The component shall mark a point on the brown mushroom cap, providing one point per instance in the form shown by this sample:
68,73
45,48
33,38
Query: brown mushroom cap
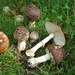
57,52
32,12
21,33
4,44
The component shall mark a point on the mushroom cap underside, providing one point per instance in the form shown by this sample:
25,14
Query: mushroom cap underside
59,38
4,42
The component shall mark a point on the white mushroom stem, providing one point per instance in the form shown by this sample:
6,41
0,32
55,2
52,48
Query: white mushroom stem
32,51
31,24
32,62
21,46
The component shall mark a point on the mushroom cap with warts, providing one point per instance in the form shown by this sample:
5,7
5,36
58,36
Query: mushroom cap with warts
32,12
4,42
56,52
21,33
19,18
59,38
34,36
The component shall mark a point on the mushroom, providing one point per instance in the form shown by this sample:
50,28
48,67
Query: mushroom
21,34
7,9
55,33
4,42
19,18
34,36
33,14
54,53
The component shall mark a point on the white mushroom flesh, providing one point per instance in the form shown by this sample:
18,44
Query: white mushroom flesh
32,51
21,46
35,61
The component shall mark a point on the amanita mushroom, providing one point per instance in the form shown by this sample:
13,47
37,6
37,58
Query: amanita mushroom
21,34
33,14
4,42
53,52
19,18
34,36
55,33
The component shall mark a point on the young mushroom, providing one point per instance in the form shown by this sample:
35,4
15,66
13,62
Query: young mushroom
19,18
4,42
33,14
34,36
55,33
54,53
7,9
21,34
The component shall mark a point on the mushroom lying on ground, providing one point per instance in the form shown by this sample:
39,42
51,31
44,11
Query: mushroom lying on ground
54,53
55,33
21,34
4,42
34,36
33,14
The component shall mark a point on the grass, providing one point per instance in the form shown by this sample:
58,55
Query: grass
61,12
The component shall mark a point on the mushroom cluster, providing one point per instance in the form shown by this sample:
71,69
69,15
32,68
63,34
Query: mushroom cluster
54,52
55,33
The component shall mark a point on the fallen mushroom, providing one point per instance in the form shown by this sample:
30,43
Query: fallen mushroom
4,42
34,36
53,52
55,33
33,14
21,34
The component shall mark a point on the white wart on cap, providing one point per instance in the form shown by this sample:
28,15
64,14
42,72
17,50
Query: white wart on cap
4,42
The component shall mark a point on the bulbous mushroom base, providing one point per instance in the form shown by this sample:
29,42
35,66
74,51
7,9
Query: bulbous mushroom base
31,63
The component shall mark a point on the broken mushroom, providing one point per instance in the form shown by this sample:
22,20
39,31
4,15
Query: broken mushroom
34,36
21,34
55,33
4,42
33,14
54,53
